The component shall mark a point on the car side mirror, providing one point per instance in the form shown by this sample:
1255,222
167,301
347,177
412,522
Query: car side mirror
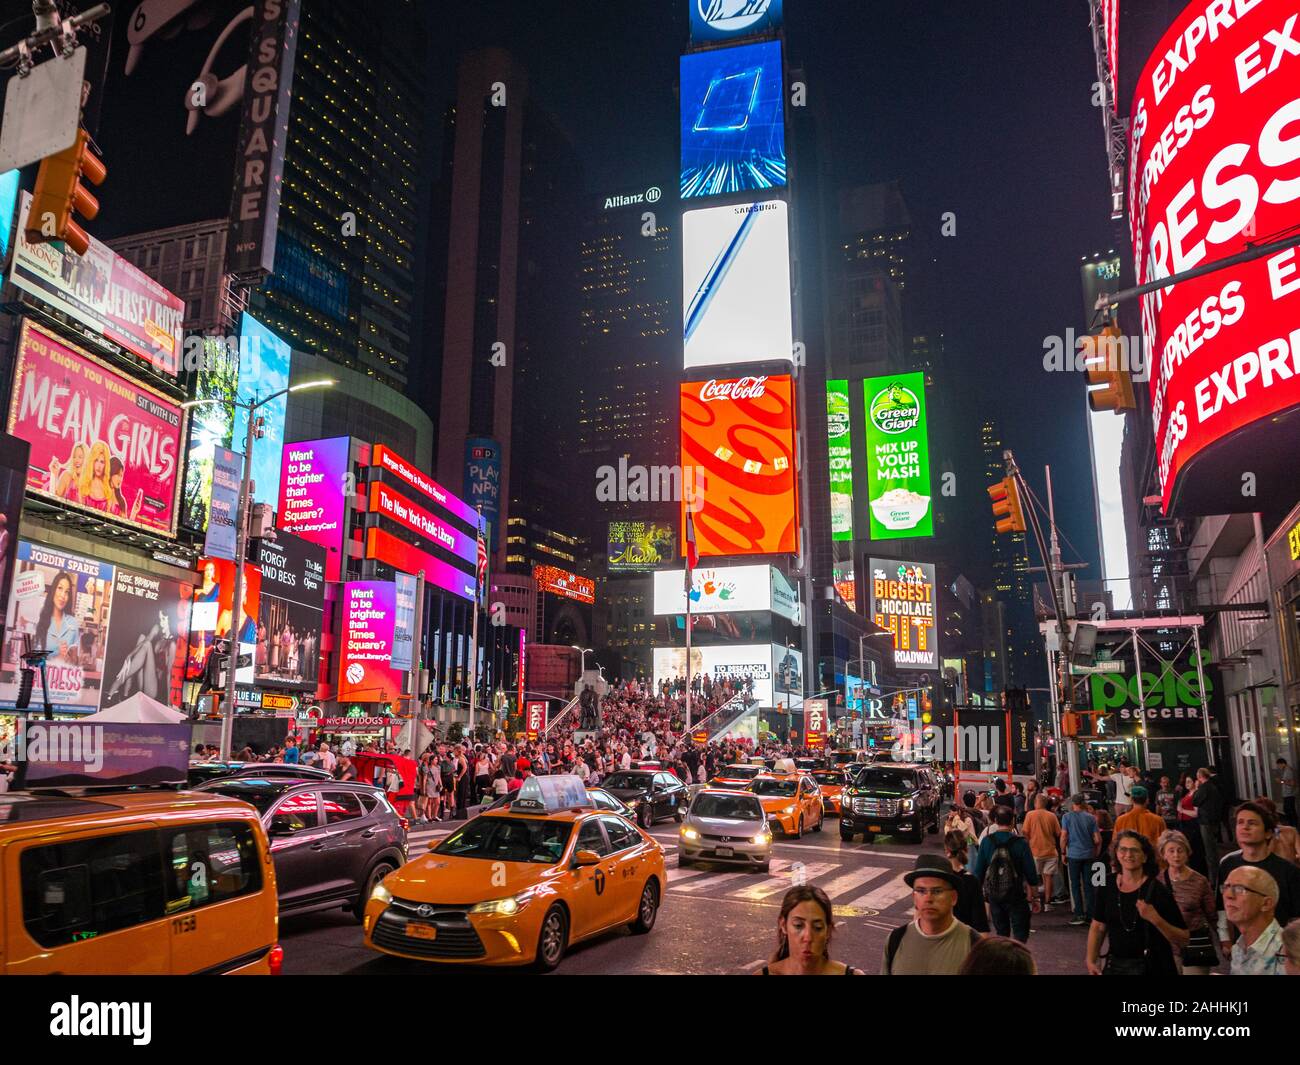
583,859
433,843
281,829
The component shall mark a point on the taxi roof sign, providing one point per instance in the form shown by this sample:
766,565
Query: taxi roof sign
548,795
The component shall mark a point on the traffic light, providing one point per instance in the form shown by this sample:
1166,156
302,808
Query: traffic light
1006,506
1102,363
59,194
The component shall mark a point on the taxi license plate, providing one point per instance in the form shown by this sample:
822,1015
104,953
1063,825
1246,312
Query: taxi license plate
422,931
873,828
725,852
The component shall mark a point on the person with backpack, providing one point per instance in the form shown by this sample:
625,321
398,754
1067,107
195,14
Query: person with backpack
935,943
1005,866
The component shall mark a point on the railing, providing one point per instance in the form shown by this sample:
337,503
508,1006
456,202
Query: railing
569,707
723,716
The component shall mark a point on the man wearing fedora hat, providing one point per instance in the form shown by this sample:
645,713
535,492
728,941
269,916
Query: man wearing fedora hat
936,943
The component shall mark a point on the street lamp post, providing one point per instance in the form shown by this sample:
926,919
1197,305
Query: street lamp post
243,512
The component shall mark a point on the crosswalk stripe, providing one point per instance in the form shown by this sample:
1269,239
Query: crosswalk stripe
783,880
883,897
676,875
709,881
842,885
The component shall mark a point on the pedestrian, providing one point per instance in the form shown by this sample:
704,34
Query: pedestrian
482,774
1136,916
1139,818
1166,806
291,751
326,758
1195,900
997,956
1210,806
970,908
1005,867
1081,841
447,784
1254,826
1286,785
1122,800
1043,831
936,943
1291,944
1250,896
1284,842
1063,778
804,929
345,769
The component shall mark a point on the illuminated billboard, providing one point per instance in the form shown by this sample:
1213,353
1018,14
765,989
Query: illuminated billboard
839,443
313,500
723,590
732,120
384,547
387,459
366,674
736,285
390,504
565,584
738,434
721,20
101,443
902,598
641,546
213,612
1212,172
290,614
211,427
722,661
898,457
263,371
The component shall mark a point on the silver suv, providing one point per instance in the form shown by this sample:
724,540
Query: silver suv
725,826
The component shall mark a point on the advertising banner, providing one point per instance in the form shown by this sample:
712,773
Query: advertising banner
79,754
563,583
100,442
404,625
787,675
898,457
366,674
720,590
483,481
733,120
313,500
211,427
736,284
721,20
724,661
903,601
290,612
535,720
386,459
104,292
839,434
61,602
147,637
815,722
390,504
523,664
226,474
14,457
263,371
641,546
210,618
387,548
1211,172
738,435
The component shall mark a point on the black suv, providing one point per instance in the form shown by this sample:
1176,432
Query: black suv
331,841
651,794
889,798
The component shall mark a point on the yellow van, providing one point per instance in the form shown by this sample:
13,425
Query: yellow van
135,883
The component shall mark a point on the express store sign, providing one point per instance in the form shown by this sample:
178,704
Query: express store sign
1214,167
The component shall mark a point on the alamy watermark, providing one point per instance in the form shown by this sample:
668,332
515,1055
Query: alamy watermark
62,744
951,743
1065,354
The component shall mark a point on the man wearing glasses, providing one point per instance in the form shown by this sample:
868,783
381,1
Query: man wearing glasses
1254,826
1250,898
936,943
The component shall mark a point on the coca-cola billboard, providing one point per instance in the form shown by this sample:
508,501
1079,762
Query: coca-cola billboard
1213,169
738,434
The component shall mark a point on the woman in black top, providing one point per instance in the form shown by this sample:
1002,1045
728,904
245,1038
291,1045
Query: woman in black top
803,933
970,908
1136,915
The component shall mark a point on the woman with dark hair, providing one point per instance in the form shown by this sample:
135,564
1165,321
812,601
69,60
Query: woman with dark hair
970,909
803,931
998,956
57,630
1136,914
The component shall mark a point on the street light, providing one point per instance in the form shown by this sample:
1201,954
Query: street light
241,540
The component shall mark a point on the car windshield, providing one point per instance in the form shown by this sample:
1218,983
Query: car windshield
774,787
604,800
509,839
740,772
828,776
881,777
726,807
629,780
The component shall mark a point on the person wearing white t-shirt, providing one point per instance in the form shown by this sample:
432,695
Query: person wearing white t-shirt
1123,787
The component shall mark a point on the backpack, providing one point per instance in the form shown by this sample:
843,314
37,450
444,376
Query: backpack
1003,880
896,939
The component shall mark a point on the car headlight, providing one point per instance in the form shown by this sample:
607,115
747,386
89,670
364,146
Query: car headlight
905,805
503,906
763,837
689,833
381,894
632,804
789,809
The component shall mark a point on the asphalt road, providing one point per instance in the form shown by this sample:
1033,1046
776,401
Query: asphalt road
714,920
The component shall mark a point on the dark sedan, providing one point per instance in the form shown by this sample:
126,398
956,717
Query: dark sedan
652,795
202,772
331,841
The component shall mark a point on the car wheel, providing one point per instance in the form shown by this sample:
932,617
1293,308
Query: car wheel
798,832
552,939
381,870
645,816
766,867
821,820
647,909
685,863
846,837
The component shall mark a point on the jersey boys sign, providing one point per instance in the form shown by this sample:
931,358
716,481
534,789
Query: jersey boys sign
1214,153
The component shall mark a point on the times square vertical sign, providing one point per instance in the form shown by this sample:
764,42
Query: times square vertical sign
263,133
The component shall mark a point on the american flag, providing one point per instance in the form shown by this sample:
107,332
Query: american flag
482,563
692,555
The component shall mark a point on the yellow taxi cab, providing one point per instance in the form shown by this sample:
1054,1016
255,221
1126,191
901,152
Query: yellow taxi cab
792,802
518,885
832,783
739,775
137,882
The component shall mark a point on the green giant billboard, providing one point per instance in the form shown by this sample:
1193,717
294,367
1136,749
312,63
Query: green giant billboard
898,457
